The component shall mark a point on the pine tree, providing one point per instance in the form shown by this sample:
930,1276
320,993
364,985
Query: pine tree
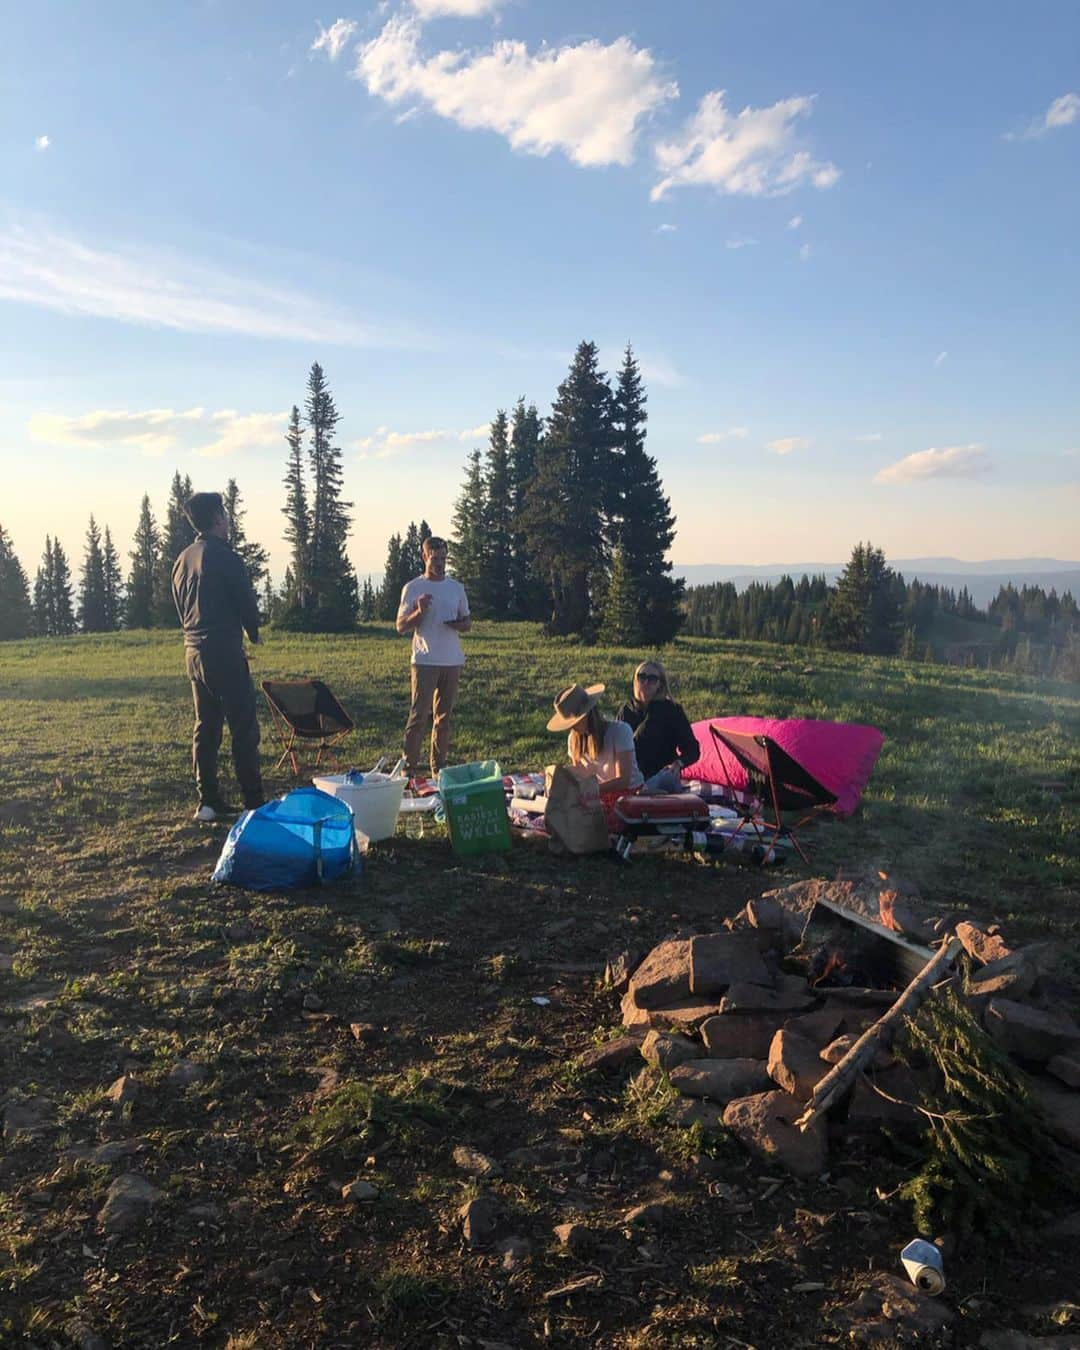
468,555
62,606
176,535
528,595
621,621
44,595
563,519
297,517
498,524
863,613
368,605
268,602
331,577
114,583
16,613
640,520
412,557
92,599
139,603
254,555
392,582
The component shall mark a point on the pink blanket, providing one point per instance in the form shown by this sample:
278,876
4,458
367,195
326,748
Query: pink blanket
840,755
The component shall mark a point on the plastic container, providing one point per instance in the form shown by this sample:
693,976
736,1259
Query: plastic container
375,802
475,806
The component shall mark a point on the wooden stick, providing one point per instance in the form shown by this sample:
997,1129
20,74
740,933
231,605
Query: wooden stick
840,1077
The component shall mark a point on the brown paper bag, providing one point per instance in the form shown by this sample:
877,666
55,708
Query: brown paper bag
574,817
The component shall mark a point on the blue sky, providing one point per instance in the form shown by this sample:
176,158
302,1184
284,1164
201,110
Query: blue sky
842,238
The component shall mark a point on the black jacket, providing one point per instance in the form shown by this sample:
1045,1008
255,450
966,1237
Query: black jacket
214,596
661,732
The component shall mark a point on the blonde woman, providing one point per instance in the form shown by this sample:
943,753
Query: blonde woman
606,748
663,739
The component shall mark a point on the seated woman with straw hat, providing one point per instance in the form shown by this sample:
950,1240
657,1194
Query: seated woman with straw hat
593,743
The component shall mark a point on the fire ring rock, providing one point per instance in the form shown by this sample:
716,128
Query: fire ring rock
764,1124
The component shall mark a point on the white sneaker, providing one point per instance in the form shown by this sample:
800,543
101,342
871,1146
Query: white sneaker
205,815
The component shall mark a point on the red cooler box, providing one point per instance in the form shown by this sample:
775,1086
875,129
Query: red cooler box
674,815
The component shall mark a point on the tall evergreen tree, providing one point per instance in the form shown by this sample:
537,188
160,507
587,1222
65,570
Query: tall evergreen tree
468,553
528,595
498,522
563,519
640,520
16,612
368,605
63,607
621,624
412,558
176,535
139,602
332,578
254,555
297,516
268,600
393,580
44,593
92,598
863,614
114,583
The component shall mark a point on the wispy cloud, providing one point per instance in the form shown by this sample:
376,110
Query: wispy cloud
794,222
333,40
868,437
41,266
1063,112
152,431
941,358
479,433
385,444
737,243
718,437
461,9
660,369
952,461
242,431
805,250
666,228
787,445
587,100
750,154
42,143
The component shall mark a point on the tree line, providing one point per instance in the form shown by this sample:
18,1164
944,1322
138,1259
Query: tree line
873,609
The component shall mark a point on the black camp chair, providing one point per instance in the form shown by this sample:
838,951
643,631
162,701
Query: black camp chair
775,779
306,710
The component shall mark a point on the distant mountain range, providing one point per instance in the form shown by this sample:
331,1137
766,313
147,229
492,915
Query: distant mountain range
983,579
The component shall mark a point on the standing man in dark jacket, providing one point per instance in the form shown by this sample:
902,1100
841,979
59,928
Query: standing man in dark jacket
216,603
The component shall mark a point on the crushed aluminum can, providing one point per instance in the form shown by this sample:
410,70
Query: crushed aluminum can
925,1268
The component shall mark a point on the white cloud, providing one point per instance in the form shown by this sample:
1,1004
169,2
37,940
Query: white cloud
868,437
461,9
718,437
39,266
786,445
1063,112
480,433
739,243
805,251
587,100
658,369
941,358
666,228
385,444
334,39
243,431
752,154
42,143
952,461
153,431
794,222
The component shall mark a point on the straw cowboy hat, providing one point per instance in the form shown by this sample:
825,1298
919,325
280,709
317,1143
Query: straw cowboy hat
573,704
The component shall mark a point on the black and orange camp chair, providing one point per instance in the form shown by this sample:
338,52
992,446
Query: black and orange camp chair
306,711
775,779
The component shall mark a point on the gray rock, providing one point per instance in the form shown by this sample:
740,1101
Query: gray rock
982,946
663,977
649,1215
1011,976
688,1111
129,1199
667,1049
719,960
367,1033
474,1163
480,1219
721,1080
24,1117
754,998
126,1089
514,1252
1062,1110
1029,1033
619,968
869,1110
683,1013
359,1192
835,1051
185,1072
104,1155
575,1237
1066,1068
766,912
794,1065
84,1337
738,1035
764,1125
612,1054
891,1311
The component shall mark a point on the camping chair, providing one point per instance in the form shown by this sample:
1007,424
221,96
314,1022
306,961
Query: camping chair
306,710
774,778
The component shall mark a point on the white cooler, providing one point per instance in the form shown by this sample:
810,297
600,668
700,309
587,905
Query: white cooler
375,802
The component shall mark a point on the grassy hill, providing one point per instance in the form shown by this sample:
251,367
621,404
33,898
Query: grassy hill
120,958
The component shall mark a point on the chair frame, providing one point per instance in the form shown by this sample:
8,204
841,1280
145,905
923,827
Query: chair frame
289,735
769,763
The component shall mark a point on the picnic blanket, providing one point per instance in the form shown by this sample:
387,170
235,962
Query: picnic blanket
840,755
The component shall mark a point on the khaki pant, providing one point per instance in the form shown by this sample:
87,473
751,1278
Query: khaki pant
434,689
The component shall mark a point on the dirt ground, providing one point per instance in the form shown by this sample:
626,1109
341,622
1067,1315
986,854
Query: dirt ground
362,1033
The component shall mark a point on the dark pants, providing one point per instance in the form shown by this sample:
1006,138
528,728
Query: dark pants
222,689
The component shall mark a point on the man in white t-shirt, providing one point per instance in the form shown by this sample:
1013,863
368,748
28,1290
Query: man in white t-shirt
434,609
